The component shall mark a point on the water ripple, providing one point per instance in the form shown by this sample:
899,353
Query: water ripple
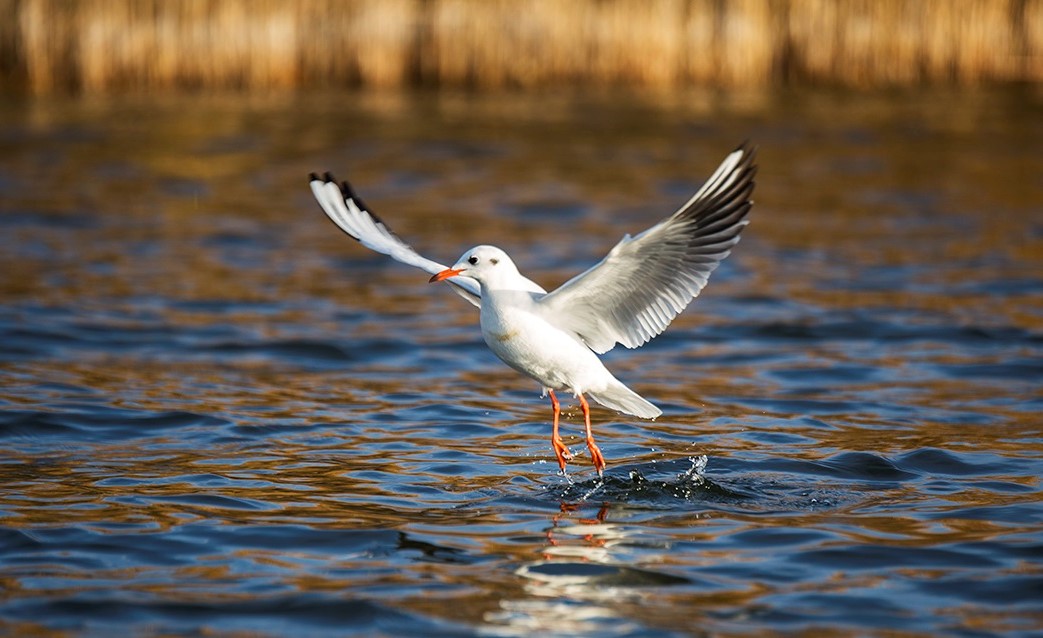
219,416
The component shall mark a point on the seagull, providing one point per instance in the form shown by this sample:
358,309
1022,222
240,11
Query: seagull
628,297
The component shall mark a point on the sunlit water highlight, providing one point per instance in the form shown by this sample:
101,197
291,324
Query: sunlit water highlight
218,415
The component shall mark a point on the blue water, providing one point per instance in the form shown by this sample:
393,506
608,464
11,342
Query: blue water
219,416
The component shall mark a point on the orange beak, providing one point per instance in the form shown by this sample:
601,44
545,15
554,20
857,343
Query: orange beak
445,274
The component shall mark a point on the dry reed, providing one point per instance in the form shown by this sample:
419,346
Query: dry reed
115,45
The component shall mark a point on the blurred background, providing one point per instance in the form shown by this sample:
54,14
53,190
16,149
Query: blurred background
119,45
220,416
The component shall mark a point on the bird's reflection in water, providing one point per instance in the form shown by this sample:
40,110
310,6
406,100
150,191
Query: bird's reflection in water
586,539
582,576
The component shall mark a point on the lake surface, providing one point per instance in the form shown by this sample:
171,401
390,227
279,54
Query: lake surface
219,416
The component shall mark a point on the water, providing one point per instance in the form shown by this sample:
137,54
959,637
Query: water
219,416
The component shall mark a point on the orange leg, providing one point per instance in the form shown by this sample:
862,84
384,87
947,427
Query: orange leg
595,452
560,450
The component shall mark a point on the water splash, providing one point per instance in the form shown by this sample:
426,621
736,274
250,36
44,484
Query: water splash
695,472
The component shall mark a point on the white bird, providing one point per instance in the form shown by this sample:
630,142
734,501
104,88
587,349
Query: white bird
629,297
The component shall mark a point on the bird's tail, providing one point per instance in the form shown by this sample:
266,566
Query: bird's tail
619,397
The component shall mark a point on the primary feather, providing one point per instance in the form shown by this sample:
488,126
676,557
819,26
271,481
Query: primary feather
346,210
635,292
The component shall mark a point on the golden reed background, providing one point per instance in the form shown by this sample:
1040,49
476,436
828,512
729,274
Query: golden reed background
117,45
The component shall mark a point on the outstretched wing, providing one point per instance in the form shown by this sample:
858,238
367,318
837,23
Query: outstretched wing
346,210
635,292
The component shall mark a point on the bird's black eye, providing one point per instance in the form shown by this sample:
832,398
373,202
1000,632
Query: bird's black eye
494,261
472,260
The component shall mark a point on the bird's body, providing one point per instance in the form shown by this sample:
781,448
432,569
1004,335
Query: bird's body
628,298
524,334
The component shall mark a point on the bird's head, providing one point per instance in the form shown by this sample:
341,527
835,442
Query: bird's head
484,264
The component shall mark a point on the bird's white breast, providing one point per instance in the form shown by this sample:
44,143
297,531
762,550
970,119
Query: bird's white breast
517,333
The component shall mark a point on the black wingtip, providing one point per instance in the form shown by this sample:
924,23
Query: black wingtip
749,158
328,178
747,147
349,193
